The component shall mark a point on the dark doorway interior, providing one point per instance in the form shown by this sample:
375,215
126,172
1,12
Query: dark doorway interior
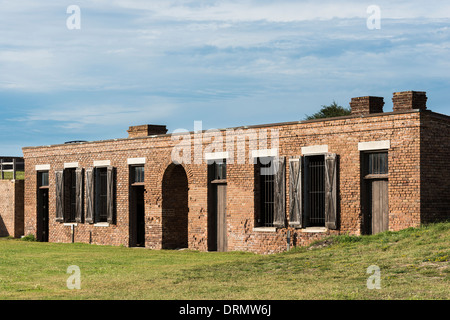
137,216
175,208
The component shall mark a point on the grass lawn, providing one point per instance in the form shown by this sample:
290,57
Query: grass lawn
414,264
9,175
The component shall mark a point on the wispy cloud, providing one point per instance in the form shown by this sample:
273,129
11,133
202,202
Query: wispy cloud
224,62
93,117
283,10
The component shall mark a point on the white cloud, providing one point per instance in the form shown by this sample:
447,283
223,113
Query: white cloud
88,116
283,10
192,56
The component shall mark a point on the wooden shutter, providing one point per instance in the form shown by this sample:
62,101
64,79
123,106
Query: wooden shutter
79,195
330,191
279,206
59,186
90,196
110,194
295,192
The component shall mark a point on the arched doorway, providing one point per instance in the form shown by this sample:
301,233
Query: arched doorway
175,208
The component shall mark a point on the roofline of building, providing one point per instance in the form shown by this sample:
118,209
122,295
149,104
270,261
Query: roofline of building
384,114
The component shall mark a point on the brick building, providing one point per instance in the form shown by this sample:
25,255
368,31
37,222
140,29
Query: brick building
11,208
246,188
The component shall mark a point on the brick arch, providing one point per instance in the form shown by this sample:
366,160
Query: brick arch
169,163
175,207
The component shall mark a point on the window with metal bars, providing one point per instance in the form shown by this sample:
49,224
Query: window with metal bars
43,178
137,174
316,190
70,194
218,169
377,163
266,191
102,183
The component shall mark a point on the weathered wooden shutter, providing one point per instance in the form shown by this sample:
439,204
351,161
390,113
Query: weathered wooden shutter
279,210
90,196
79,195
330,191
295,192
110,194
59,186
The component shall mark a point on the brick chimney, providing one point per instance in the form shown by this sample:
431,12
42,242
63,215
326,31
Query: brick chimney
409,100
367,105
146,130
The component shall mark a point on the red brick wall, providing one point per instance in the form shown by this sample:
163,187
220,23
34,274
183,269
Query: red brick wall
11,208
435,167
341,135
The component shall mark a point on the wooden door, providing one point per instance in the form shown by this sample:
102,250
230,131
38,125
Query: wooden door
140,217
379,205
221,211
43,215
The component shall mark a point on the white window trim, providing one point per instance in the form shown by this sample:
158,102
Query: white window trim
265,229
132,161
265,153
69,224
314,229
102,163
69,165
313,150
216,155
101,224
42,167
374,145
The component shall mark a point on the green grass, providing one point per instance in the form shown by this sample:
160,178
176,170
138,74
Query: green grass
414,264
9,175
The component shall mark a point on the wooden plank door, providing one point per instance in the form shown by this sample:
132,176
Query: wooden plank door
379,205
43,215
140,217
221,210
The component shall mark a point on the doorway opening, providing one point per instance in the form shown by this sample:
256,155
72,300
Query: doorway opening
42,207
217,206
375,192
137,206
175,208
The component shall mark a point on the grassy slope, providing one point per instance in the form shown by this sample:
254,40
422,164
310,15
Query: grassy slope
413,262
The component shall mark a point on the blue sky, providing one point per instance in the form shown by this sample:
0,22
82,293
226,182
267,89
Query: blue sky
226,63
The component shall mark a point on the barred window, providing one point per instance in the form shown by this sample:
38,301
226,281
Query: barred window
316,190
138,174
377,163
266,191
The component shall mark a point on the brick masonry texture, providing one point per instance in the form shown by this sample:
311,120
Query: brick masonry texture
418,182
409,99
365,105
11,208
